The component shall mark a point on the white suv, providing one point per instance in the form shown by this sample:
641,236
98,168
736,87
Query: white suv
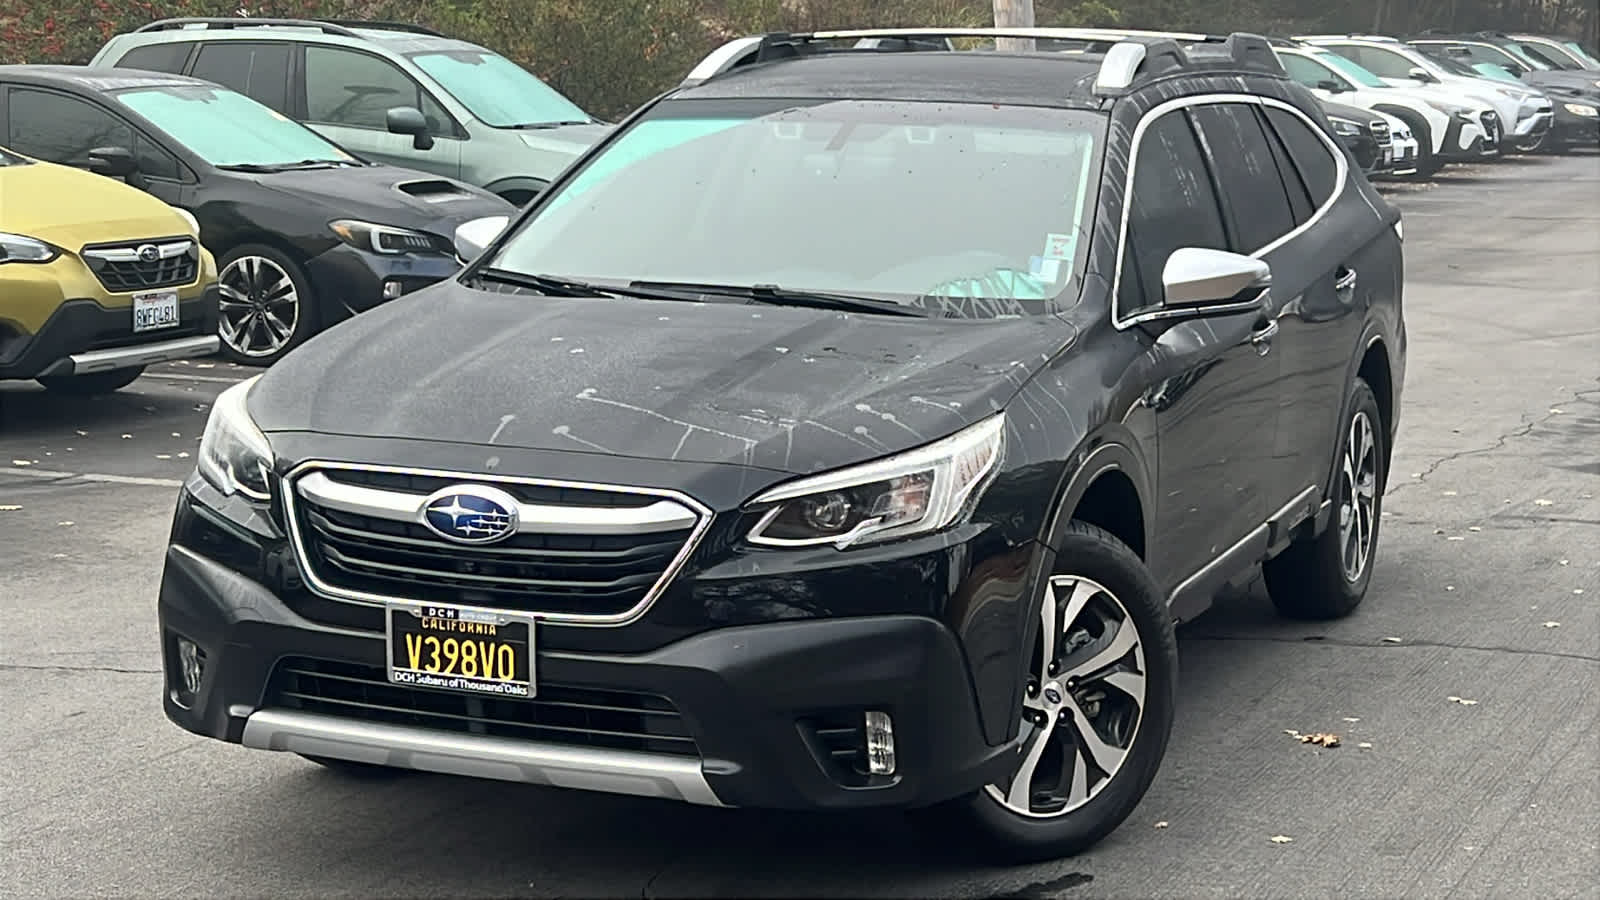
1448,126
1520,112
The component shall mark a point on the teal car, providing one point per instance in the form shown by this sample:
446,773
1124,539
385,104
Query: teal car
391,93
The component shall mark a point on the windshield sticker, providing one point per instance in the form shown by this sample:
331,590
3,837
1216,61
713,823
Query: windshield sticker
1045,269
1058,246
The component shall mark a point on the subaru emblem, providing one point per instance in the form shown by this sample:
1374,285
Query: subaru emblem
148,253
471,514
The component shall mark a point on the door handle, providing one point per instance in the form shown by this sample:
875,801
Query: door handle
1345,281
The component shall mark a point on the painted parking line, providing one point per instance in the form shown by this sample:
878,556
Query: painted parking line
56,475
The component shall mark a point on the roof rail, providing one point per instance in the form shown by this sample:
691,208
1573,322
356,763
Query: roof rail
226,23
406,27
1130,53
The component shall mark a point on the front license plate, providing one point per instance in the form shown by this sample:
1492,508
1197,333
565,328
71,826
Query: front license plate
155,310
457,648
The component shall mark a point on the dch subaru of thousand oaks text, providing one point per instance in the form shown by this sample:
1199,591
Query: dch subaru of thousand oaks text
847,430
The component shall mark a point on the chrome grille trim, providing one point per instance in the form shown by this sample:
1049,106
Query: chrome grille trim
131,253
1380,132
398,508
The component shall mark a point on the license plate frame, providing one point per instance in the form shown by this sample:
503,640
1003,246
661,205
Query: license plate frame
155,310
424,620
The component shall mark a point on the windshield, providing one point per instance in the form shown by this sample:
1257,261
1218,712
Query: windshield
1498,73
901,201
1449,65
1349,69
1577,50
497,91
229,129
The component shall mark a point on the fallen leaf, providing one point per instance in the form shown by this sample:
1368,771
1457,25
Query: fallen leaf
1474,528
1456,537
1555,412
9,507
1291,732
1449,587
58,556
1352,718
1320,739
127,437
1282,839
163,456
1393,640
1449,493
1462,701
67,523
1543,502
1161,824
183,454
1577,590
1552,624
1566,562
175,434
1364,745
21,462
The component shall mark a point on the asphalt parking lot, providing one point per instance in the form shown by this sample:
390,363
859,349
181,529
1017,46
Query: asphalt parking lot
1466,692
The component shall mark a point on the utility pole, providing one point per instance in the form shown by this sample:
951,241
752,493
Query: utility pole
1013,14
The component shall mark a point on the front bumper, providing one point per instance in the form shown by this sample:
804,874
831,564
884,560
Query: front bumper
83,337
764,715
351,281
1465,140
1572,130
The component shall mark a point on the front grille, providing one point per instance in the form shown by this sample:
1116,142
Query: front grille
561,572
127,268
559,714
1491,126
1380,132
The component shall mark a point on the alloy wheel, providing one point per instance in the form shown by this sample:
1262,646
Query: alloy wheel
259,308
1083,702
1358,497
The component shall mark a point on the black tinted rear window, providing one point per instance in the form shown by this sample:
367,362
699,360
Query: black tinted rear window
157,57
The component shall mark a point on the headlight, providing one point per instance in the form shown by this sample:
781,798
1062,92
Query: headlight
1345,126
22,249
384,238
1578,109
194,224
234,456
915,492
1451,109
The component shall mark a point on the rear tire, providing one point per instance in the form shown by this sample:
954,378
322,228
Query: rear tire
267,308
1108,700
1327,577
92,384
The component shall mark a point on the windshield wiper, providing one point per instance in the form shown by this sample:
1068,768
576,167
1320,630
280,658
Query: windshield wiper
571,287
284,167
779,296
542,126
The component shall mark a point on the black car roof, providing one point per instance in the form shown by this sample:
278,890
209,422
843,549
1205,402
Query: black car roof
93,79
1023,79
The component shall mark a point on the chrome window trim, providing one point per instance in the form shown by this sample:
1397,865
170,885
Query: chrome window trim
128,253
1162,109
290,490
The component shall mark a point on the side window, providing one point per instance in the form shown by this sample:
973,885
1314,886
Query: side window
61,129
259,71
154,161
1299,194
346,87
1315,162
1381,63
1173,205
1309,72
1247,177
157,57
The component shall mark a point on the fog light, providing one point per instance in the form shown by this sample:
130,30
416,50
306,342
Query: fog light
880,743
191,666
392,289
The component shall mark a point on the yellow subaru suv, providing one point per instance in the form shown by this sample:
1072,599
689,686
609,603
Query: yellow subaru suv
97,279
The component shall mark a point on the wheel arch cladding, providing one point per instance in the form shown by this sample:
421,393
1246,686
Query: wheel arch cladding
1112,503
1375,371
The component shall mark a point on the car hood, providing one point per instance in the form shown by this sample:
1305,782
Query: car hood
71,207
1585,83
783,388
388,195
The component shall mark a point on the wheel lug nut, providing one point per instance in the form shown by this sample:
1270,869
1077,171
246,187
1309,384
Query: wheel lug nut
1053,667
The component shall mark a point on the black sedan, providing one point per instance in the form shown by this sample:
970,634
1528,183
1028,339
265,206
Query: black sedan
305,234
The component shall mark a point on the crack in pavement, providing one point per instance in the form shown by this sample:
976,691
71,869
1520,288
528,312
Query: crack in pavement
1522,430
1388,645
20,667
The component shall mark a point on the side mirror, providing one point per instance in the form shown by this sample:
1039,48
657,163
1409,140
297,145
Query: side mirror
409,120
1418,73
473,237
1516,71
1331,86
1197,278
114,162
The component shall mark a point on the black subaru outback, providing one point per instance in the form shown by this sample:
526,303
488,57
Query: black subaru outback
847,430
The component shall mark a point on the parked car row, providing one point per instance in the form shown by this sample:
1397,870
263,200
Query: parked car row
352,152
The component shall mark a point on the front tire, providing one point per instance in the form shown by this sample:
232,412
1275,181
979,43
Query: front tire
92,384
1327,577
1098,706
